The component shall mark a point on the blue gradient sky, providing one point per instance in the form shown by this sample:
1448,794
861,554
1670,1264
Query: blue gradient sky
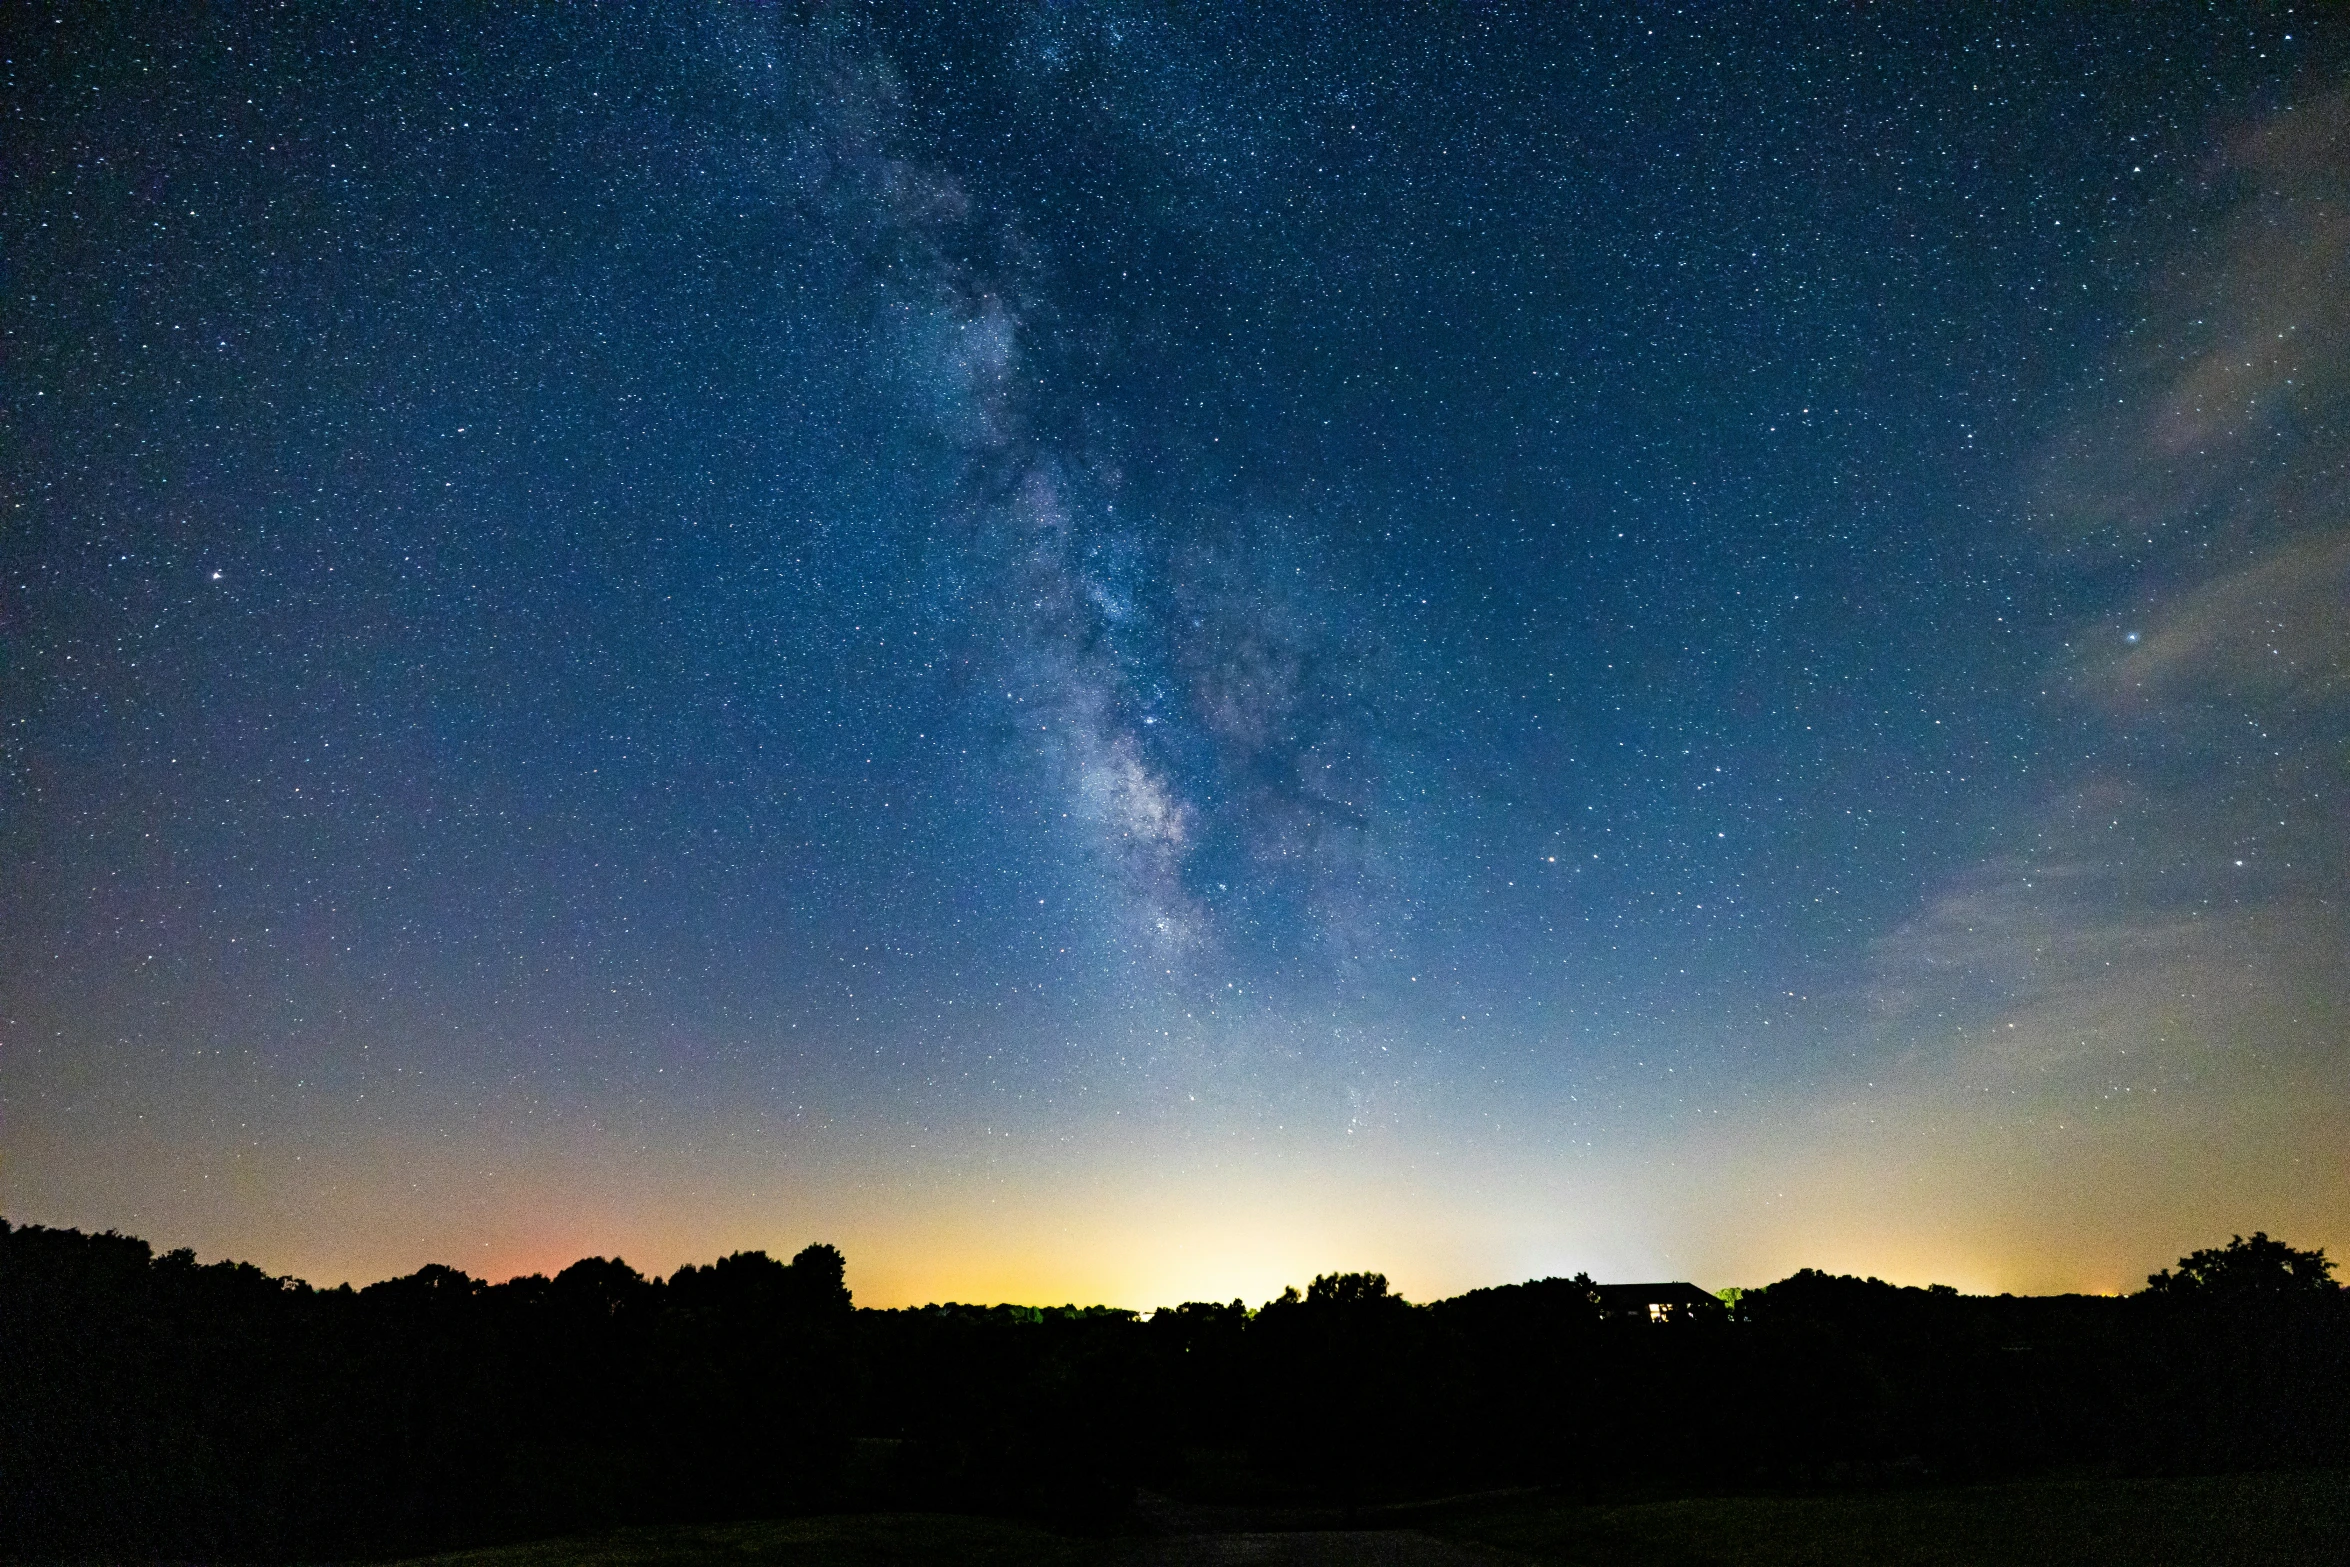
1128,653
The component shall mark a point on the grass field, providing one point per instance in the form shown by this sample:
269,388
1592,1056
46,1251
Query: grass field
2223,1521
845,1540
2227,1521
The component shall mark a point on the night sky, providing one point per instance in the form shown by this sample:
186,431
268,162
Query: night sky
1128,652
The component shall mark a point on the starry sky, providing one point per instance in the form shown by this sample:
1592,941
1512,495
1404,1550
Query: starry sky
1129,651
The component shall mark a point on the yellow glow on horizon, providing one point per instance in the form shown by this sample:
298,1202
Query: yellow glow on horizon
1918,1193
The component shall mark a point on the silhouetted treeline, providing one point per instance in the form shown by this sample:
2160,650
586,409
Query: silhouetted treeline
151,1406
1348,1394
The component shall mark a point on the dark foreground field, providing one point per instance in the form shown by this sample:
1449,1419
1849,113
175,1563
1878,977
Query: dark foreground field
2240,1519
2227,1519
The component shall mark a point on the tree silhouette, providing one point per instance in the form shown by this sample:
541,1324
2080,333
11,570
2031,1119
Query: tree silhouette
2254,1269
1347,1291
819,1277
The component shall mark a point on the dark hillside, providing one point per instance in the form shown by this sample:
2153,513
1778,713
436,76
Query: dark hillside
152,1407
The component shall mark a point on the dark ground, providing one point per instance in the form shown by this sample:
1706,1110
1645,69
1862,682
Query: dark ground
2277,1520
